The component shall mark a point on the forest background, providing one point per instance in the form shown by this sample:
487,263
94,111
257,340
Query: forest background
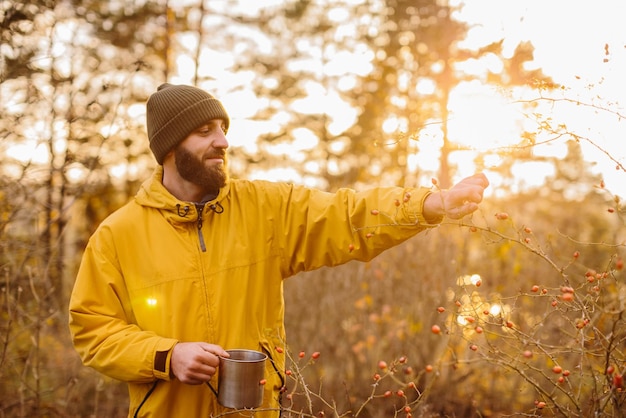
515,311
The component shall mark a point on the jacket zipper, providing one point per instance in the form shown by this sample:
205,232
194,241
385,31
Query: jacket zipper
200,209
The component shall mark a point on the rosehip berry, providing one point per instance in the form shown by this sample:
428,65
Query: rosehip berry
262,382
428,368
473,347
387,394
502,216
557,369
541,405
382,365
436,329
441,309
400,393
535,288
301,354
351,247
315,355
279,350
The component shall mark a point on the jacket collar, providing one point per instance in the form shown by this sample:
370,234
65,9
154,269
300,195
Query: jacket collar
153,194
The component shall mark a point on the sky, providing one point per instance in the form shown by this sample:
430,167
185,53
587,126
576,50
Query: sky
582,46
579,44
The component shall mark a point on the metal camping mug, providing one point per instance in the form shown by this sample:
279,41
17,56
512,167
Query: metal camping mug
240,379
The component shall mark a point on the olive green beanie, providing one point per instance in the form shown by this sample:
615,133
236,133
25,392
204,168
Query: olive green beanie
174,111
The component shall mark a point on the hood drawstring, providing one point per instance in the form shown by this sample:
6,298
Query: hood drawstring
217,207
184,212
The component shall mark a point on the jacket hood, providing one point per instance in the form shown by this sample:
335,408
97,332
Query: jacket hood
153,194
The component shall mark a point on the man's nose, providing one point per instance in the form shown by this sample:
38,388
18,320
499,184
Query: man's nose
220,140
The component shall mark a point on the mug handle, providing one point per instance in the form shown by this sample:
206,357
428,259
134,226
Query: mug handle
212,388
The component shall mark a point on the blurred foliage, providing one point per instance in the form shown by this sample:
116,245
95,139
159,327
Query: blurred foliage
74,77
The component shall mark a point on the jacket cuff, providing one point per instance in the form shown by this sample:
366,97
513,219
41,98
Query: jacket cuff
162,358
421,219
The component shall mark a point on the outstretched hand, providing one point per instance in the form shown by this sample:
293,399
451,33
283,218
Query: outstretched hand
460,200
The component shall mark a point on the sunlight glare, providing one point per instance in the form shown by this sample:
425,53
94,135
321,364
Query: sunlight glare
495,309
29,151
482,119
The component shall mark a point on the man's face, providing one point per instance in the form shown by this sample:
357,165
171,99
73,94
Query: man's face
201,157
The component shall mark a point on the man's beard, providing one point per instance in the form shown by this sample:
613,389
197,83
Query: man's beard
192,168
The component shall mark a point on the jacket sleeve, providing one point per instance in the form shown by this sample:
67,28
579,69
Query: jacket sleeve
327,229
102,324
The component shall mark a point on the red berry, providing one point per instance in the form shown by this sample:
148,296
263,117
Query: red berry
382,364
557,369
441,309
436,329
315,355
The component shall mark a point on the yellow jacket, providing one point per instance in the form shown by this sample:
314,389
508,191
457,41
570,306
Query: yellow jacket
160,270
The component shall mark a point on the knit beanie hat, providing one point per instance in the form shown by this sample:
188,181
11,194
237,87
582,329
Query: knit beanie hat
174,111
